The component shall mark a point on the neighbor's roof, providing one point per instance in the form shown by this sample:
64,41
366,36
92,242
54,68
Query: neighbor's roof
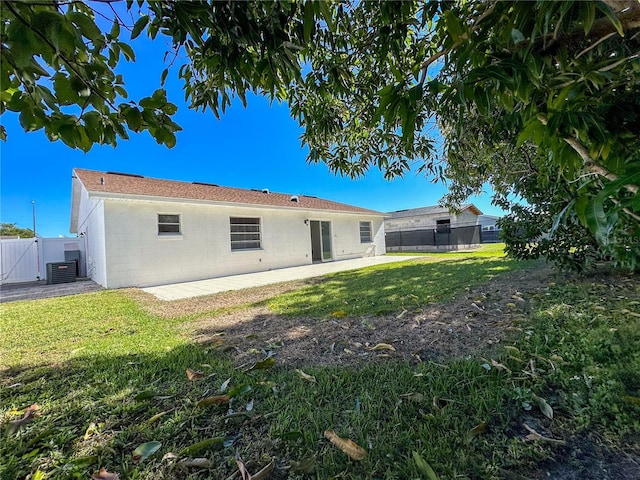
432,210
123,184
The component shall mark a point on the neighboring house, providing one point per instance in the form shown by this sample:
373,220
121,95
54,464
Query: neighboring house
432,228
488,222
144,231
490,231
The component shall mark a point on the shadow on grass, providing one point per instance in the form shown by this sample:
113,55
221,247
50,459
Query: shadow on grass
95,411
390,288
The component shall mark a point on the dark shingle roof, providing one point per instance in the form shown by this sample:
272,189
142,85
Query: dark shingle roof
129,184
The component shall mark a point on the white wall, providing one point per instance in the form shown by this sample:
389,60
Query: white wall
91,227
52,250
137,256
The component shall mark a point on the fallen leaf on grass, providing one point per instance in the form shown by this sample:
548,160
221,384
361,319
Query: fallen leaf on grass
91,429
194,374
382,346
146,395
424,467
305,376
338,314
263,473
29,414
195,463
475,431
535,436
500,366
413,397
293,435
145,450
348,446
201,446
214,400
545,408
262,365
304,466
158,416
244,473
104,475
225,384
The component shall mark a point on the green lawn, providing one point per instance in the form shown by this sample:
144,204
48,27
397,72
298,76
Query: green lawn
108,377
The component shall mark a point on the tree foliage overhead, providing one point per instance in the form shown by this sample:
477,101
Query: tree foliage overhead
541,100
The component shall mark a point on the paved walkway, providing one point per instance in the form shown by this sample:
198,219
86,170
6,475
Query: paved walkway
178,291
12,292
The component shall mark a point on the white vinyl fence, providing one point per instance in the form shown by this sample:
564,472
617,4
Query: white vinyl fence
25,259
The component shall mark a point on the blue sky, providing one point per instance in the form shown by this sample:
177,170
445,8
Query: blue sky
256,147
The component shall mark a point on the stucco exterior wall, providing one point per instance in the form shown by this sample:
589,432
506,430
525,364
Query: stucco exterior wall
137,256
91,226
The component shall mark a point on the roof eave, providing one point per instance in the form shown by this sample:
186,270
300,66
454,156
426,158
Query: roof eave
156,198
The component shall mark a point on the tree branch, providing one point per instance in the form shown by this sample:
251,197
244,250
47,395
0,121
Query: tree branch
589,163
629,17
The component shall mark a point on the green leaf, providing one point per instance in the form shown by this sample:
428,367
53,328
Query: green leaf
262,365
139,26
597,219
615,21
134,119
423,467
545,408
66,94
145,450
87,26
115,30
146,395
589,16
454,27
309,20
201,446
293,435
517,36
128,52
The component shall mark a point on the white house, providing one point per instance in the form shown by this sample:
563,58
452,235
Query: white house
144,231
432,228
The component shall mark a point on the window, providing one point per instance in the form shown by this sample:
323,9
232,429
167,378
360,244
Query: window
443,226
245,233
168,224
365,232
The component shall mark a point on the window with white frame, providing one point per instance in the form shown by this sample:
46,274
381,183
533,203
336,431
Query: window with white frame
365,232
168,224
245,233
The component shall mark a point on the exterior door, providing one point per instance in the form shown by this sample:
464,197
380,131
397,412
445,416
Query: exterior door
321,241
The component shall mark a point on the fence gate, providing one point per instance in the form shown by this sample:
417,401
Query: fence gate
19,260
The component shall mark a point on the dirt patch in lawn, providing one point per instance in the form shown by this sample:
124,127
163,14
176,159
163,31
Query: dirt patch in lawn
475,321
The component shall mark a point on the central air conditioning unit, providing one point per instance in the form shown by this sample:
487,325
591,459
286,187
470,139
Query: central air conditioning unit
61,272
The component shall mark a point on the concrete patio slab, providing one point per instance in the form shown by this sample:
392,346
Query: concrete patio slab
179,291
